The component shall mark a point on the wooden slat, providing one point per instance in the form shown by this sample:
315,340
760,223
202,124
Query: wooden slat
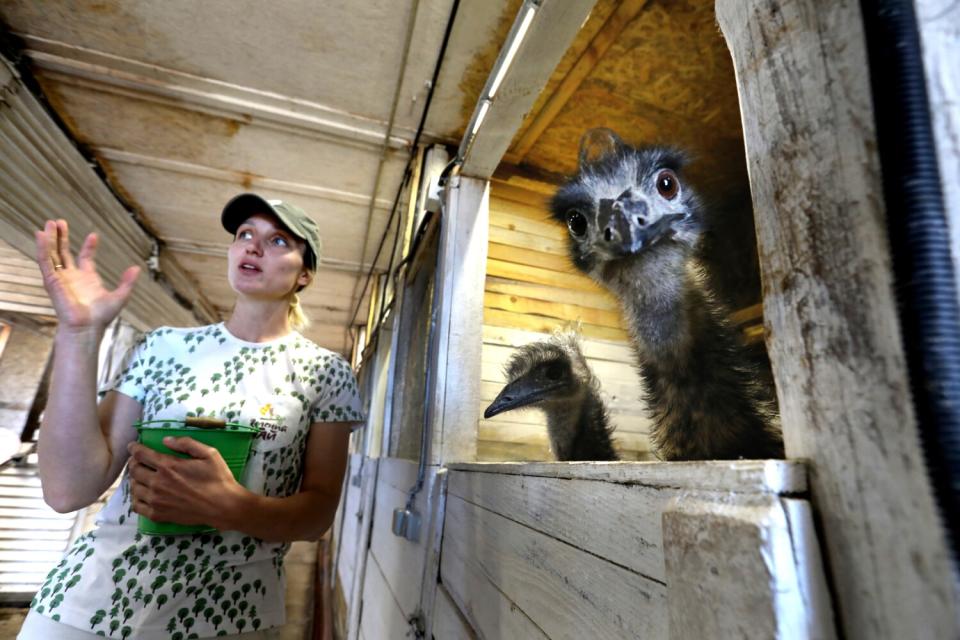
495,451
597,300
592,349
553,246
559,310
497,317
527,224
565,591
536,275
522,433
747,314
535,212
618,522
518,255
745,476
448,622
400,560
381,616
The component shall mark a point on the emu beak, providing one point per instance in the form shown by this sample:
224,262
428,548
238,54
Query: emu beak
522,392
624,235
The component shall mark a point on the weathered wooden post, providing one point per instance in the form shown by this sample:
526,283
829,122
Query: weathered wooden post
834,337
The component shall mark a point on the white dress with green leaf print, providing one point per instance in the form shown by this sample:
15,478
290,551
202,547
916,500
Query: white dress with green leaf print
119,583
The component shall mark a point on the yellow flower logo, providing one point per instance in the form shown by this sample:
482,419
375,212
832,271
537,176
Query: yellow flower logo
266,410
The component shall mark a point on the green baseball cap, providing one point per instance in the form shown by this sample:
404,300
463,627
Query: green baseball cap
293,218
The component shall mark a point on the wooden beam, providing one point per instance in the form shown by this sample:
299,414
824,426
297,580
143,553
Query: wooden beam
454,398
835,346
551,32
608,34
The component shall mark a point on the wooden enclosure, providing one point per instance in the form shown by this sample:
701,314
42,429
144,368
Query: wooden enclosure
649,549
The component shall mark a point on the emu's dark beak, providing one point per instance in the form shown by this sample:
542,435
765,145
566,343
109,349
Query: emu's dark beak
522,392
626,228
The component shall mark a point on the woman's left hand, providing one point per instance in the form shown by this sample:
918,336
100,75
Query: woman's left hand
187,491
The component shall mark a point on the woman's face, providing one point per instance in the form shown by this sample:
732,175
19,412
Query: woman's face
265,260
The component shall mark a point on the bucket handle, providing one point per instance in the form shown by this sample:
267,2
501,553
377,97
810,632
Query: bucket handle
205,423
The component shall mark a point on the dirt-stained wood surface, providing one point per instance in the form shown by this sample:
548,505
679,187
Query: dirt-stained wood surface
831,314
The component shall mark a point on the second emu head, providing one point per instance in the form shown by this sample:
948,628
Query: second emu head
553,376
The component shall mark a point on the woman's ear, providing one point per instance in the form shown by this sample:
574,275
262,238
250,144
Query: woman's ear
305,278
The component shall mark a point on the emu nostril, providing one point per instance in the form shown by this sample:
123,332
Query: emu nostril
641,220
608,234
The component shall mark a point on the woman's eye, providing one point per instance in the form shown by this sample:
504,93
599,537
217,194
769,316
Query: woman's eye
280,241
576,222
243,235
667,184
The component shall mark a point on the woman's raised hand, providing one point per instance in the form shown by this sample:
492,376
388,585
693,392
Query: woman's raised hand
77,292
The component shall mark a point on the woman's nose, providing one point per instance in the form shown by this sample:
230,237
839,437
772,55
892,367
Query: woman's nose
253,246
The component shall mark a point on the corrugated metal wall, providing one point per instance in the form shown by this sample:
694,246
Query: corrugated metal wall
42,176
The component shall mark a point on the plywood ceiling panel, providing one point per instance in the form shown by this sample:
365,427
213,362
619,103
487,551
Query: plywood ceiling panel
299,48
192,212
666,79
145,126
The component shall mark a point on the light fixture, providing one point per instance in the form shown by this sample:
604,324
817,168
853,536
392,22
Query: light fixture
481,114
514,39
504,64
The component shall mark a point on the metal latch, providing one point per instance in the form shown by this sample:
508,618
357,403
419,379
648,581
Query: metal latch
406,524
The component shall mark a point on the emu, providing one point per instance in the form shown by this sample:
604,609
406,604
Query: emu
635,227
553,376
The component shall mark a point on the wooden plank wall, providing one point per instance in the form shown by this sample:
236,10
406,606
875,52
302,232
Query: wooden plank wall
531,290
577,550
395,566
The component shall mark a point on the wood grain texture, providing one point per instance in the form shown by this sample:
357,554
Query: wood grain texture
463,252
368,484
448,622
736,570
401,561
560,590
746,476
381,616
829,303
619,522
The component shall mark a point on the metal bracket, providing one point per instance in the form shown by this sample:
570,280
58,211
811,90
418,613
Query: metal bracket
406,524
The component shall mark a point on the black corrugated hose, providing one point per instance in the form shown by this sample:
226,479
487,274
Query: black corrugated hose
920,242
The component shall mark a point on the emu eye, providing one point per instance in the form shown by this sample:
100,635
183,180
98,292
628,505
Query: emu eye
576,222
667,184
553,371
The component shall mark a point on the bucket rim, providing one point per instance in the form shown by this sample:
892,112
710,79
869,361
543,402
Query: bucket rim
178,423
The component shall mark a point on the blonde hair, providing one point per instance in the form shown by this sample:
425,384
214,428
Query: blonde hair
296,316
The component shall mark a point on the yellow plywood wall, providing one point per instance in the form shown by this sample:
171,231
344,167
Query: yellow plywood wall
531,290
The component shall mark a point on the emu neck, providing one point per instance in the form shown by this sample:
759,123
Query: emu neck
662,296
579,428
701,387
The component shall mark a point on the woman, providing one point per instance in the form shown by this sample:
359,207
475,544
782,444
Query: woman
254,368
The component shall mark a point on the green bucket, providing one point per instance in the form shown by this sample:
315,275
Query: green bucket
231,439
